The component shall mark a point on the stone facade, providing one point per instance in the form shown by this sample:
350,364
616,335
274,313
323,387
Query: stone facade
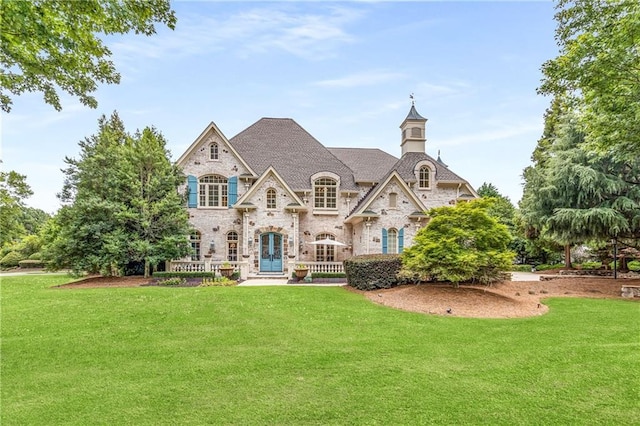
270,208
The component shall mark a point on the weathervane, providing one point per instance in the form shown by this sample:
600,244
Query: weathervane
413,102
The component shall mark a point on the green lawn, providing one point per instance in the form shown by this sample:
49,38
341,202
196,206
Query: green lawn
301,356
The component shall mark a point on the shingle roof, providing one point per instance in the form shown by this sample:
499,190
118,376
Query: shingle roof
413,114
405,167
368,164
291,150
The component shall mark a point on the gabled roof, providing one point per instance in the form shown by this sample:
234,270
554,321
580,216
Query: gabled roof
211,128
406,166
283,144
368,164
243,202
362,209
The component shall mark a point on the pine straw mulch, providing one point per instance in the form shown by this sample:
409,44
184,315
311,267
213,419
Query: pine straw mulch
508,299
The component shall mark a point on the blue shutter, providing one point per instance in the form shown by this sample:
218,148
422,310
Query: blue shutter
192,184
384,240
400,240
233,190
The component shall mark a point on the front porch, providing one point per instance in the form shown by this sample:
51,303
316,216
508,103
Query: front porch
242,267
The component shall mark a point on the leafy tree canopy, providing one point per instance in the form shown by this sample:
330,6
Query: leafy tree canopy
598,69
13,190
461,243
46,45
122,204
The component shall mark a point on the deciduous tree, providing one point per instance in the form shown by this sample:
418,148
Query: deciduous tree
13,190
51,45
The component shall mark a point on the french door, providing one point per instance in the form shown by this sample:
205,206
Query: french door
271,252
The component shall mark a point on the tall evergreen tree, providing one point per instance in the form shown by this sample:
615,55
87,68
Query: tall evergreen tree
122,204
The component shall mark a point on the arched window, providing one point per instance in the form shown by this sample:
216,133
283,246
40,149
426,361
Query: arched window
232,246
271,198
325,190
194,239
325,252
392,241
214,152
213,191
424,179
393,200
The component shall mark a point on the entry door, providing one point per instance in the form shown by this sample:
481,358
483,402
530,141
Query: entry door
271,252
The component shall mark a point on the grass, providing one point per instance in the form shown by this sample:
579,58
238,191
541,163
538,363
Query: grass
304,356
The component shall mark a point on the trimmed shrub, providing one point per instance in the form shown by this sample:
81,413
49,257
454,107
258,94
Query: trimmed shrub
31,263
36,256
173,281
634,265
373,271
521,268
546,267
168,274
11,259
328,275
591,265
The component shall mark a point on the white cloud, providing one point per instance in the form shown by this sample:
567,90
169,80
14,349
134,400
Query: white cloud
366,78
307,35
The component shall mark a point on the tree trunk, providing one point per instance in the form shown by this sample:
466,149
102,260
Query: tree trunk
146,269
567,256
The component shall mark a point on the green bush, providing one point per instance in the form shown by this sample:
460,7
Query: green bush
36,256
634,265
521,268
546,267
218,282
11,260
328,275
173,281
373,271
31,263
591,265
168,274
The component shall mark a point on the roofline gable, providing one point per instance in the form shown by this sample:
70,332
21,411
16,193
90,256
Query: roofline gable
211,127
271,170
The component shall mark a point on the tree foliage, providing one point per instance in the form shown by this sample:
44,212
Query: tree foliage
46,45
598,69
461,243
122,204
13,190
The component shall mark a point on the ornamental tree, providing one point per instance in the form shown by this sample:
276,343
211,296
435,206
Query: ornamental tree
459,244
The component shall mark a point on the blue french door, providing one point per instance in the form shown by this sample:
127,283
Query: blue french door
271,252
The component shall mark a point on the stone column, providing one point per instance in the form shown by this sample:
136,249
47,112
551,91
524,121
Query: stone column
296,238
368,237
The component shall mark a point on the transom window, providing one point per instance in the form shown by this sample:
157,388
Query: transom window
271,198
325,190
392,241
232,246
213,191
325,252
425,177
214,152
194,239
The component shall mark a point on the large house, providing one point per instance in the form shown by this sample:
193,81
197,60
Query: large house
273,196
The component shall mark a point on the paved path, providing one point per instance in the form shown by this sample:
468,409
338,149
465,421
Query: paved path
524,276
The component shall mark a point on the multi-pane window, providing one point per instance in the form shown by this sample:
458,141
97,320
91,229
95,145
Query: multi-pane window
325,252
214,153
232,246
271,198
392,241
194,239
213,191
393,200
425,177
325,190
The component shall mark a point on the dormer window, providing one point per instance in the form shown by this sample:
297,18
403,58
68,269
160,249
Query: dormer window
325,193
214,151
424,178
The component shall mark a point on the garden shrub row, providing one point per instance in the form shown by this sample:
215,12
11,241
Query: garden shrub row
31,263
373,271
328,275
171,274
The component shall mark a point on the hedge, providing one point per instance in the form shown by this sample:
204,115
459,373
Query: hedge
11,259
169,274
31,263
373,271
328,275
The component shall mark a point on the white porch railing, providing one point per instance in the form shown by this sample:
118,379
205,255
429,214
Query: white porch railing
324,267
199,266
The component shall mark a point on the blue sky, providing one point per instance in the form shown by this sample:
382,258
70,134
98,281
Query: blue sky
343,70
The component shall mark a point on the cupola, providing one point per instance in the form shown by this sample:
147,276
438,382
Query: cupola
413,132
